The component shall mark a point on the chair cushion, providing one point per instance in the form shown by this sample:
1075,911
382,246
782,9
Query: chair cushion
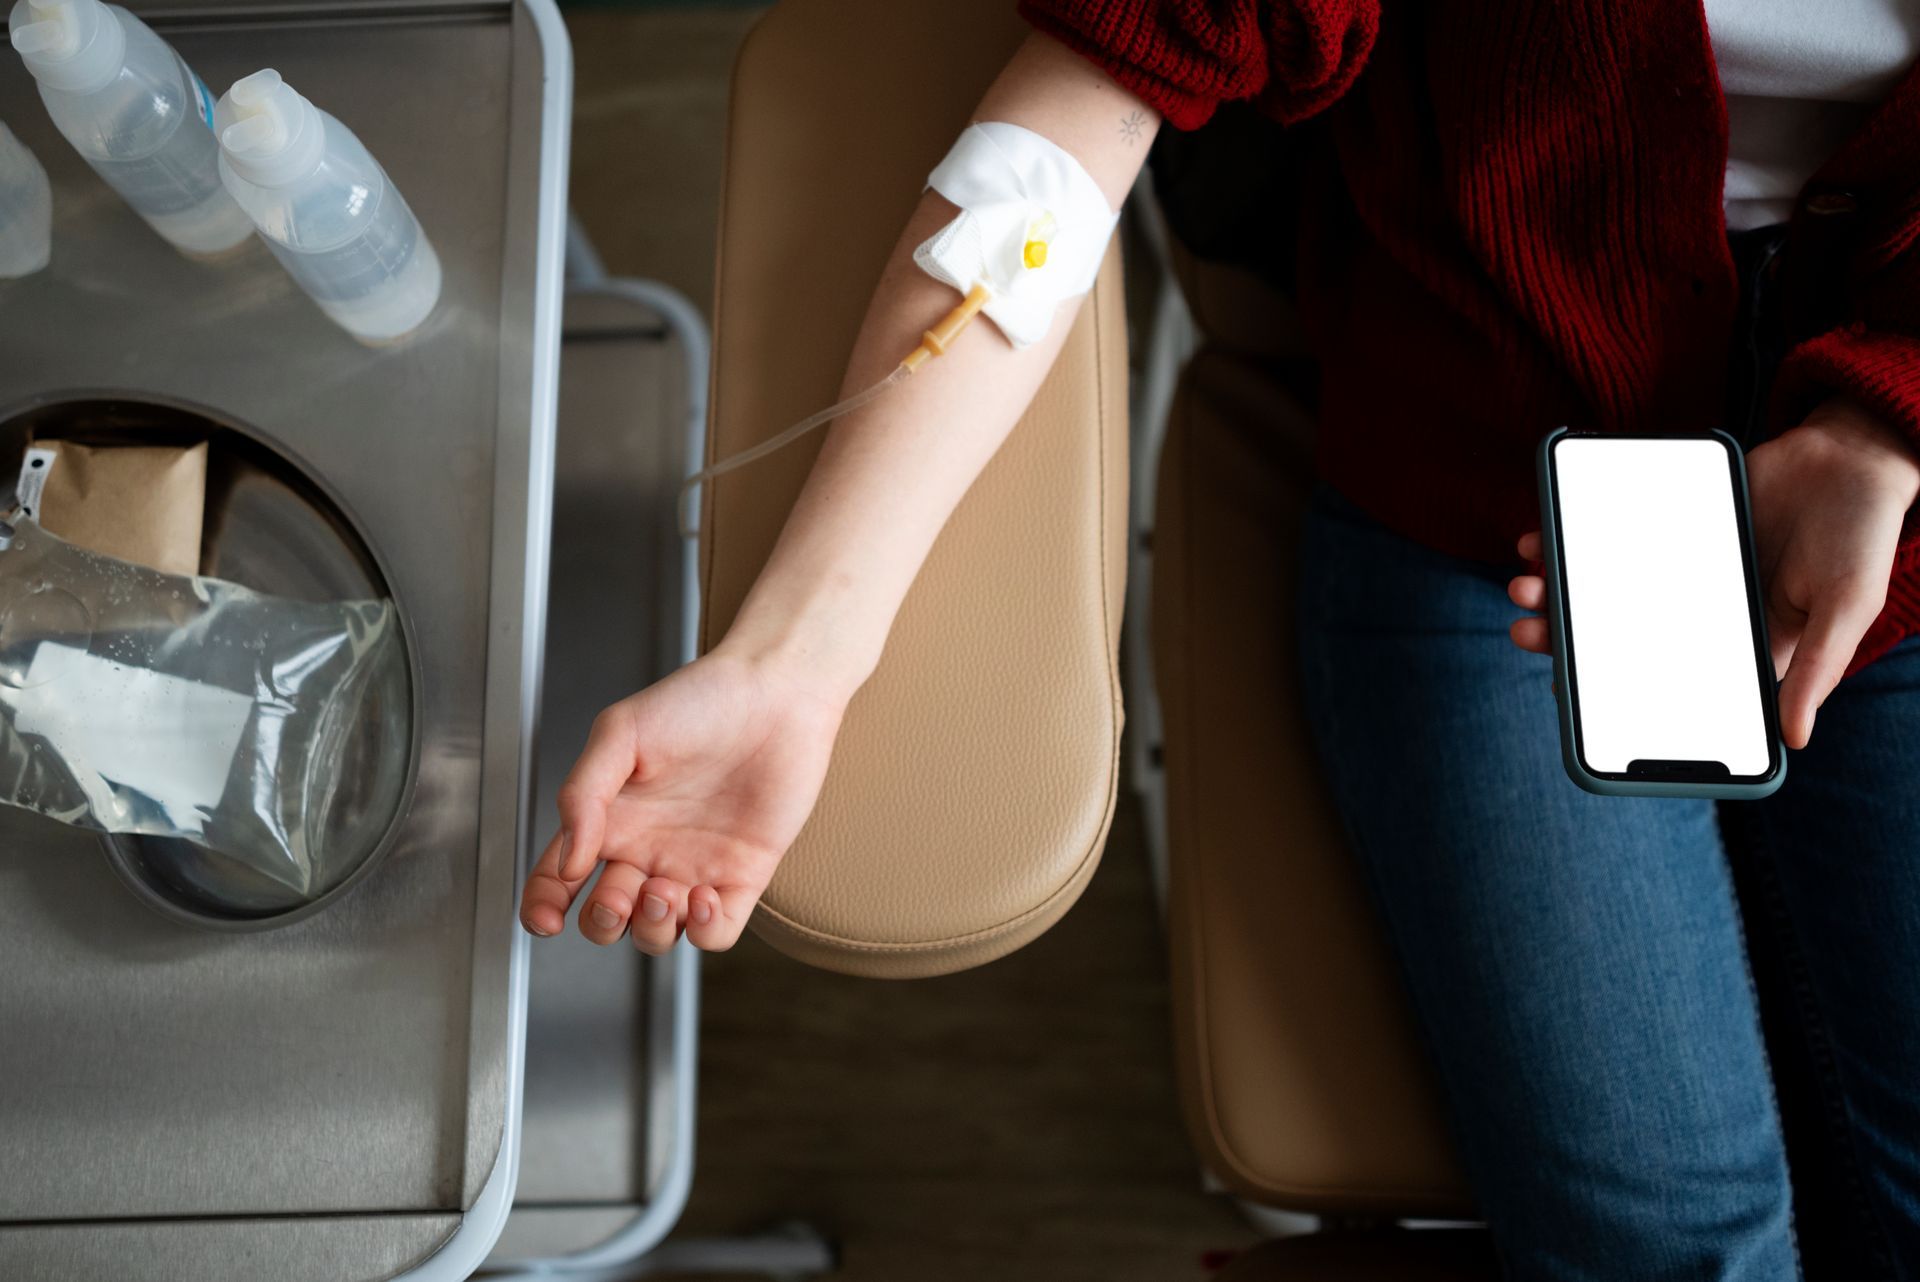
976,772
1302,1081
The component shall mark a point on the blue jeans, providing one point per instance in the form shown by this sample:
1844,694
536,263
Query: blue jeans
1580,964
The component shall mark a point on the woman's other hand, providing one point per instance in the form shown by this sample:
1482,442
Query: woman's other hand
1829,501
689,792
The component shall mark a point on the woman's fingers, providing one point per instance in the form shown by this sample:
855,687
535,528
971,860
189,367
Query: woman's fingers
1529,592
715,920
656,922
1825,648
1783,635
610,904
1530,633
604,767
544,902
624,901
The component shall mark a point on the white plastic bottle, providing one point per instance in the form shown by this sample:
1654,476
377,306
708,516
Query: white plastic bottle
135,112
326,209
26,210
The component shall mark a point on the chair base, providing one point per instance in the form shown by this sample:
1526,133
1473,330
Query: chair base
1371,1255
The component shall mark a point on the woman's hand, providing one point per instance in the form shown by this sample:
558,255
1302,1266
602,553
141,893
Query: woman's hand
1829,499
689,792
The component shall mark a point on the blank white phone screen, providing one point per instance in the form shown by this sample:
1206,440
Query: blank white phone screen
1656,591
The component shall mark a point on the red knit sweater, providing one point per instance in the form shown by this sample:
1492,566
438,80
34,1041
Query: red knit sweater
1519,225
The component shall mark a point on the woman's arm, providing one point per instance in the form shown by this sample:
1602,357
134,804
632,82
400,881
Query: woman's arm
693,789
889,476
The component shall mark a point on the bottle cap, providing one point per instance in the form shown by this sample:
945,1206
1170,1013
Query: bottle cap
75,45
269,134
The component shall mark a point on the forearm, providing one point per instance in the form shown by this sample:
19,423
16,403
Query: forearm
889,476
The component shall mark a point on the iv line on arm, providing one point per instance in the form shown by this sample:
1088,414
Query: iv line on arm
933,343
1032,230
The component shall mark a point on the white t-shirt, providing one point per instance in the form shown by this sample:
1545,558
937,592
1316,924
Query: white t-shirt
1800,78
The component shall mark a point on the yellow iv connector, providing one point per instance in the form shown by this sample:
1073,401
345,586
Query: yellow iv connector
935,342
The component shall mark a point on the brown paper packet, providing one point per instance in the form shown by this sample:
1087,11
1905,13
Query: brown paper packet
140,503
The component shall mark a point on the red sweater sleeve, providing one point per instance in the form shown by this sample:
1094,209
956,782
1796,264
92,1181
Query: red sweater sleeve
1186,57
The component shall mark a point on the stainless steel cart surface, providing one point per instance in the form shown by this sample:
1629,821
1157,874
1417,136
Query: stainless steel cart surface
336,1098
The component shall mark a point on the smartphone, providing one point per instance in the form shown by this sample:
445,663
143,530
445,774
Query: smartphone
1662,668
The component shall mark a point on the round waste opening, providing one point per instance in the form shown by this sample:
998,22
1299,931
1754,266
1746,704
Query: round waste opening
273,526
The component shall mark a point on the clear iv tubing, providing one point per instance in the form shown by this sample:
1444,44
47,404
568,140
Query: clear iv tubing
788,437
934,342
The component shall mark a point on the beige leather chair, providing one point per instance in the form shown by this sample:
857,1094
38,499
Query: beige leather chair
1303,1084
976,775
976,772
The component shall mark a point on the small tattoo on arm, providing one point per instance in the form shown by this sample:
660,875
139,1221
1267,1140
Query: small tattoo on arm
1132,126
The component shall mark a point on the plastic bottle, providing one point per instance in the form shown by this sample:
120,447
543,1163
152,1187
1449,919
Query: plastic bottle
326,209
135,112
26,210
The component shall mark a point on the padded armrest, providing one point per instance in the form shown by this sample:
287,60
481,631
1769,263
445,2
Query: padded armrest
1302,1079
975,774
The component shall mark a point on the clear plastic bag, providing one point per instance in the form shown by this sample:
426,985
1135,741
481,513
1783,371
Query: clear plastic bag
272,733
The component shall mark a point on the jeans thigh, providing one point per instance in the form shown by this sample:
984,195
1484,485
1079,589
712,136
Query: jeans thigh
1831,866
1576,961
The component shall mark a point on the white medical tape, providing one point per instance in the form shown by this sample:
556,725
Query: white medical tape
1016,190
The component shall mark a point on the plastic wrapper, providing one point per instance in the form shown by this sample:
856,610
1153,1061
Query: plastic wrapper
272,734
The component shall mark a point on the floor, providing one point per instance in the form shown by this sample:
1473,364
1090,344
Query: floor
1015,1122
649,118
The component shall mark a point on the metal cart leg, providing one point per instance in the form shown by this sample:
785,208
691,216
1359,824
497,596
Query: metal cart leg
640,1248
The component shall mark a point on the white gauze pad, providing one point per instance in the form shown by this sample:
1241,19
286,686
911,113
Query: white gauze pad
1033,226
